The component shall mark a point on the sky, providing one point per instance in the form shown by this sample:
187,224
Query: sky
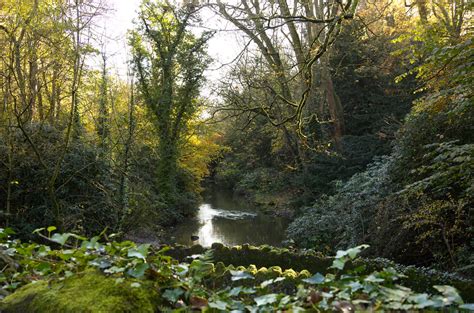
223,47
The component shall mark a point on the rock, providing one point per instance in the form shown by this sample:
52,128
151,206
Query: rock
87,292
217,246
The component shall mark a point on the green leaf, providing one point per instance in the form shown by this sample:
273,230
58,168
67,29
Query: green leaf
238,275
101,263
44,251
172,295
218,304
115,269
338,263
78,237
139,270
91,244
450,293
140,252
373,279
355,285
119,280
51,229
235,291
37,230
315,279
467,306
60,238
352,252
266,299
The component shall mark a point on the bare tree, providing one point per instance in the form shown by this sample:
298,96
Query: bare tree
293,40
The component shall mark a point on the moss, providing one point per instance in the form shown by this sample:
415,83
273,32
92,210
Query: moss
197,249
220,268
217,246
252,269
304,274
308,261
290,274
87,292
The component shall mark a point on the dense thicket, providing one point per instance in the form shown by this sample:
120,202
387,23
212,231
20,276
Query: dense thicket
394,169
414,205
77,148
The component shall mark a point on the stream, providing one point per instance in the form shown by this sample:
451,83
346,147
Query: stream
229,220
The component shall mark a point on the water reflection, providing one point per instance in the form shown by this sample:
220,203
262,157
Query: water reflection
225,220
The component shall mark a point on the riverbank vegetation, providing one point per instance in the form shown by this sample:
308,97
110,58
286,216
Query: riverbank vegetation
124,277
354,119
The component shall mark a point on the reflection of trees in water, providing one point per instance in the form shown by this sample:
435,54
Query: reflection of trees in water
225,200
259,230
182,234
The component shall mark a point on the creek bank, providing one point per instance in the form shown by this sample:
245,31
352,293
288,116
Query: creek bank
159,289
417,278
272,203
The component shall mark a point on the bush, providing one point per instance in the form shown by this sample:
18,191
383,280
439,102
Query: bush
83,189
344,219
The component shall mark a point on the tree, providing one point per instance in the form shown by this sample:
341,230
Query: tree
169,62
293,40
41,39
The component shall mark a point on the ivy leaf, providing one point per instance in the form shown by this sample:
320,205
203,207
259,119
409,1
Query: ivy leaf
101,263
450,293
266,283
139,270
422,300
140,252
315,279
91,244
338,263
467,306
266,299
60,238
172,295
218,304
51,229
238,275
37,230
352,252
235,291
115,269
373,279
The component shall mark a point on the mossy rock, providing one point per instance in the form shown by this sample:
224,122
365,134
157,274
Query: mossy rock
307,262
87,292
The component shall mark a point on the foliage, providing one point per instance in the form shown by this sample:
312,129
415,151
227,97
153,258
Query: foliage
417,210
363,68
88,204
343,219
183,285
169,61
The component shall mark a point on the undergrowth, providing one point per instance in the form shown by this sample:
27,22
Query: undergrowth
202,285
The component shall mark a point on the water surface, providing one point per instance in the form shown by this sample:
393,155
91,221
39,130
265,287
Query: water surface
229,220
